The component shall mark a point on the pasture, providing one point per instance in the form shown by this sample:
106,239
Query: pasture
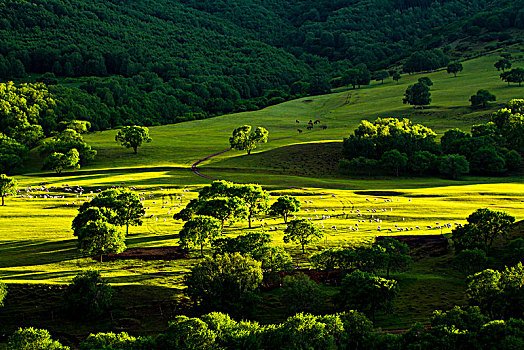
37,245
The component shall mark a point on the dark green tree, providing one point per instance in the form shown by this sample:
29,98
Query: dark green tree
394,160
301,294
453,165
301,232
482,98
284,206
470,261
186,333
99,238
516,75
88,296
454,68
503,64
198,231
417,95
381,75
396,254
133,137
396,77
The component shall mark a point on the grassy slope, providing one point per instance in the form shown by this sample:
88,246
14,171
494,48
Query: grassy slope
38,247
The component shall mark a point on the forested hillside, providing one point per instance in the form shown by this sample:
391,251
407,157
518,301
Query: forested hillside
155,62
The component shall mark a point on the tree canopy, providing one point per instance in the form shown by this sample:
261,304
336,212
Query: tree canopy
133,137
244,140
301,232
7,186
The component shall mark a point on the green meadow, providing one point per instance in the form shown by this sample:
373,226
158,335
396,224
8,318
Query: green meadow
37,245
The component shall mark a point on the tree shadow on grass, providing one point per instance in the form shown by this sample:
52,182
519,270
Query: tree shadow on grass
31,252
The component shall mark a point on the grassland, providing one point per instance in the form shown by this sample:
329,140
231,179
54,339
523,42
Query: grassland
37,245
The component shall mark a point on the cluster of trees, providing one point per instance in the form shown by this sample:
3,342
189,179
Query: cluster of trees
96,223
425,61
392,145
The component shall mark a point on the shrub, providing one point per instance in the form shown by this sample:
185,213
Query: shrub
301,294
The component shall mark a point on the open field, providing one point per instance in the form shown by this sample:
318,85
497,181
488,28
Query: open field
37,245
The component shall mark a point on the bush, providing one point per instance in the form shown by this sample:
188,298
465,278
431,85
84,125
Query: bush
186,333
33,339
3,293
115,341
88,296
301,294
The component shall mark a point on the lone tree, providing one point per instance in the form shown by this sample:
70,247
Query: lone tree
396,255
515,75
7,186
302,232
396,77
482,98
417,95
199,230
454,68
243,140
503,64
453,165
381,75
284,206
60,161
483,227
367,293
227,283
99,238
133,137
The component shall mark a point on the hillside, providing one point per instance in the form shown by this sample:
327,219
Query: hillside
159,62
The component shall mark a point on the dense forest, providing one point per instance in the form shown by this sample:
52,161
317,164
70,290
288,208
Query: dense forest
119,62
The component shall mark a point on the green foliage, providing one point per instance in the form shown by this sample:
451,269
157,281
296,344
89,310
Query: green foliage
498,294
226,283
357,76
284,206
488,161
482,98
367,293
133,137
394,159
417,95
198,231
468,319
33,339
12,154
7,186
67,140
3,293
88,296
516,75
186,333
115,341
243,140
500,334
275,260
514,252
254,197
253,243
381,75
99,238
301,294
397,255
423,162
301,232
425,61
453,165
59,161
119,207
454,68
503,64
224,209
359,165
396,76
470,261
483,228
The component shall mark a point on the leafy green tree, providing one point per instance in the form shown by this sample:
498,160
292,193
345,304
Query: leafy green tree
483,228
394,159
417,95
470,261
423,162
502,334
301,294
115,341
7,186
452,139
498,294
120,207
60,161
3,293
33,339
426,81
454,68
516,75
133,137
513,160
301,232
381,75
487,160
224,209
66,141
367,293
254,243
199,230
226,283
503,64
453,165
243,140
186,333
284,206
88,296
189,210
350,77
482,98
99,238
12,154
397,255
254,197
274,261
396,77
